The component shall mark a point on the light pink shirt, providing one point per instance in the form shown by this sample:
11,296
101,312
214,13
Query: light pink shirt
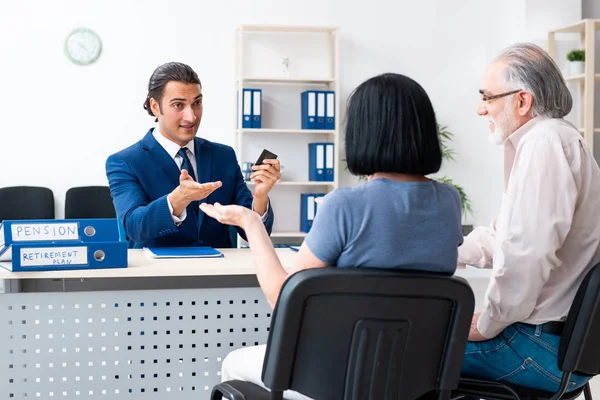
547,234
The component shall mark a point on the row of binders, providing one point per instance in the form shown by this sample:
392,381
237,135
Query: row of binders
47,245
318,109
252,108
308,210
321,162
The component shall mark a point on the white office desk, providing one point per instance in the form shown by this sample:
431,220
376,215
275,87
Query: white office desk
157,329
234,262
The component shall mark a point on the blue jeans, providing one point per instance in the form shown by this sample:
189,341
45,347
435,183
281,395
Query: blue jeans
520,355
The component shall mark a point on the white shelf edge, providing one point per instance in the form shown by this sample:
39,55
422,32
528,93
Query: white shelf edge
581,77
288,234
307,183
302,131
289,29
284,80
578,27
573,28
596,130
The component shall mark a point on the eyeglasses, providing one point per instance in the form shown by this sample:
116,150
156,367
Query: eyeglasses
485,97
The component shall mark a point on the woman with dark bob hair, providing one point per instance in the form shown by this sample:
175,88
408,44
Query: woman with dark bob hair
399,217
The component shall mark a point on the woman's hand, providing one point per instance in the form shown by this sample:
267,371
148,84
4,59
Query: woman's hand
230,215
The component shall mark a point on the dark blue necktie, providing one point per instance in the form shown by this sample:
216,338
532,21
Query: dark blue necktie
186,164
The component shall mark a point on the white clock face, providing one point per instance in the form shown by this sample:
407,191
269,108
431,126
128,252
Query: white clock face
83,46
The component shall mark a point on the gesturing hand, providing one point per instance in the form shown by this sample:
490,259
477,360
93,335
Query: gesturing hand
190,190
194,191
229,215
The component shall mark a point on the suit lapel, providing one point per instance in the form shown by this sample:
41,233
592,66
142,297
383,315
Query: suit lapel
203,161
161,157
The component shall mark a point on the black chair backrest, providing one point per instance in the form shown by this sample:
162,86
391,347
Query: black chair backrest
26,202
89,202
364,333
579,349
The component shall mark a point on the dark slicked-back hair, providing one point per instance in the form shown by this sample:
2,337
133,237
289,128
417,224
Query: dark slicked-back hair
391,127
172,71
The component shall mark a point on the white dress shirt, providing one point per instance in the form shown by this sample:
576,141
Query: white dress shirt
547,234
172,148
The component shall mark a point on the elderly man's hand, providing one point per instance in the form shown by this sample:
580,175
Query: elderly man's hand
474,335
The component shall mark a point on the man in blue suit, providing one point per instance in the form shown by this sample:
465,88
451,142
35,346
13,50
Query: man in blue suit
153,182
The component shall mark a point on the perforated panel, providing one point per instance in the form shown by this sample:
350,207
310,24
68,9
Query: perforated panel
130,344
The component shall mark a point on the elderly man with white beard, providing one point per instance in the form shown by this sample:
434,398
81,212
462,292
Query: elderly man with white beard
546,236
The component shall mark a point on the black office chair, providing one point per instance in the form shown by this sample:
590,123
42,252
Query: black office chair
26,202
89,202
363,334
579,351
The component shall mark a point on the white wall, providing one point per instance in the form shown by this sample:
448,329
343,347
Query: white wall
61,121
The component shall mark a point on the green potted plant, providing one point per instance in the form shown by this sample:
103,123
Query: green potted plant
576,62
448,155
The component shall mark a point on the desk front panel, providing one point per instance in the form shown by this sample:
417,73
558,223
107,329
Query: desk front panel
130,344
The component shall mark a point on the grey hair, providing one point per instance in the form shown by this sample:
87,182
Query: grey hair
531,69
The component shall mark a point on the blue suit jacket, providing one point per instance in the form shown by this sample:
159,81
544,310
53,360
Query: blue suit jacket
140,178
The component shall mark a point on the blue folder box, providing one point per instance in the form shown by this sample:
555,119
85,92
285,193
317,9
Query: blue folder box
43,245
316,161
67,256
256,109
308,109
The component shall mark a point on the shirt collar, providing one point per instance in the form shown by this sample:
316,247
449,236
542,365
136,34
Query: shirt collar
511,144
517,135
170,147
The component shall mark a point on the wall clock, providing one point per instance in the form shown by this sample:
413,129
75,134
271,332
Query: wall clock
83,46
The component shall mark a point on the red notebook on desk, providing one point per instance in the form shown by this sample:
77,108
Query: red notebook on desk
183,252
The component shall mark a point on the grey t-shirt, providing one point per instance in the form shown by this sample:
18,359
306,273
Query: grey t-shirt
389,224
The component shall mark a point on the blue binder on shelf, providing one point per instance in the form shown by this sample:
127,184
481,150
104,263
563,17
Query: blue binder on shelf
320,122
317,195
308,109
40,245
256,108
329,162
247,108
330,110
67,256
316,162
308,210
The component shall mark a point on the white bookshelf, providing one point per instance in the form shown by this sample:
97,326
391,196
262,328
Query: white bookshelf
284,234
300,183
581,78
288,28
586,82
289,131
314,57
288,81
